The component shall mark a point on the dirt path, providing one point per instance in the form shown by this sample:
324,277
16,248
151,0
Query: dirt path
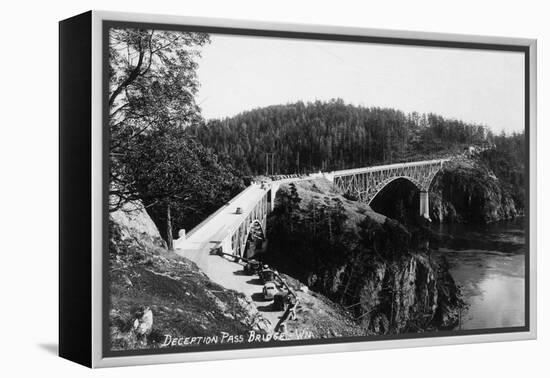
229,274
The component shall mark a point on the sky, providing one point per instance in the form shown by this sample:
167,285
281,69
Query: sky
239,73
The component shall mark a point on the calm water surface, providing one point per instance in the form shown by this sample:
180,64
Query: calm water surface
488,262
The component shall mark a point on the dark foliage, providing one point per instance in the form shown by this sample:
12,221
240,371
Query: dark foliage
152,83
332,135
507,161
169,168
317,232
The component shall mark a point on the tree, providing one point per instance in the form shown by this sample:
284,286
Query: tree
152,84
177,179
152,88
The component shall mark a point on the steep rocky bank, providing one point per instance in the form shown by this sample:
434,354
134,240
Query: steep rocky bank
467,191
368,263
154,292
410,294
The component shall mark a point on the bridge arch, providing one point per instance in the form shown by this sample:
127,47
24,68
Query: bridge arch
252,231
364,184
254,237
391,180
397,199
431,179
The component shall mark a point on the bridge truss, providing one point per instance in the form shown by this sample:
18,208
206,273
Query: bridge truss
244,217
252,225
365,183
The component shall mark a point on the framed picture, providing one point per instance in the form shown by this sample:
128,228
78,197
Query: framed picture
232,189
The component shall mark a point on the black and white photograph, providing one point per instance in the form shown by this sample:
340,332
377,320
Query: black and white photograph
280,189
243,188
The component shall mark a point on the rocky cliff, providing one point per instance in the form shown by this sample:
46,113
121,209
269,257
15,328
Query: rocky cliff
410,294
382,273
467,191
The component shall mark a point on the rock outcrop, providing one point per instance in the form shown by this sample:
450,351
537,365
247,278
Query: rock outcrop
372,265
412,294
466,191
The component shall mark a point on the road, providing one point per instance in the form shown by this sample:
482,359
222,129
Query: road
229,275
218,225
196,246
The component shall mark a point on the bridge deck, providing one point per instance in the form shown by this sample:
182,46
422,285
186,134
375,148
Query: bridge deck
376,168
218,225
225,220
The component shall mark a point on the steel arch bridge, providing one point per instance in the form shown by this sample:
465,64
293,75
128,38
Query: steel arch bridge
244,216
365,183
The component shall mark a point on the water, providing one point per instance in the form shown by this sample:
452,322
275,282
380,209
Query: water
488,262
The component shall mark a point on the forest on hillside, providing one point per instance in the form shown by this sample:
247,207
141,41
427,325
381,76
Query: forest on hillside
330,135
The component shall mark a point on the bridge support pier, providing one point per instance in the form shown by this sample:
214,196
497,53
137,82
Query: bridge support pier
274,188
424,204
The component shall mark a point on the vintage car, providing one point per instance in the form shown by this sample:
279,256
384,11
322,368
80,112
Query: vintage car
270,289
216,251
252,267
266,275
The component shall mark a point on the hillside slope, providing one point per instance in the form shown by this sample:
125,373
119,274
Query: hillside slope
183,301
331,135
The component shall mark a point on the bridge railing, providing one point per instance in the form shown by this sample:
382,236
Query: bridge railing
377,168
222,208
279,179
